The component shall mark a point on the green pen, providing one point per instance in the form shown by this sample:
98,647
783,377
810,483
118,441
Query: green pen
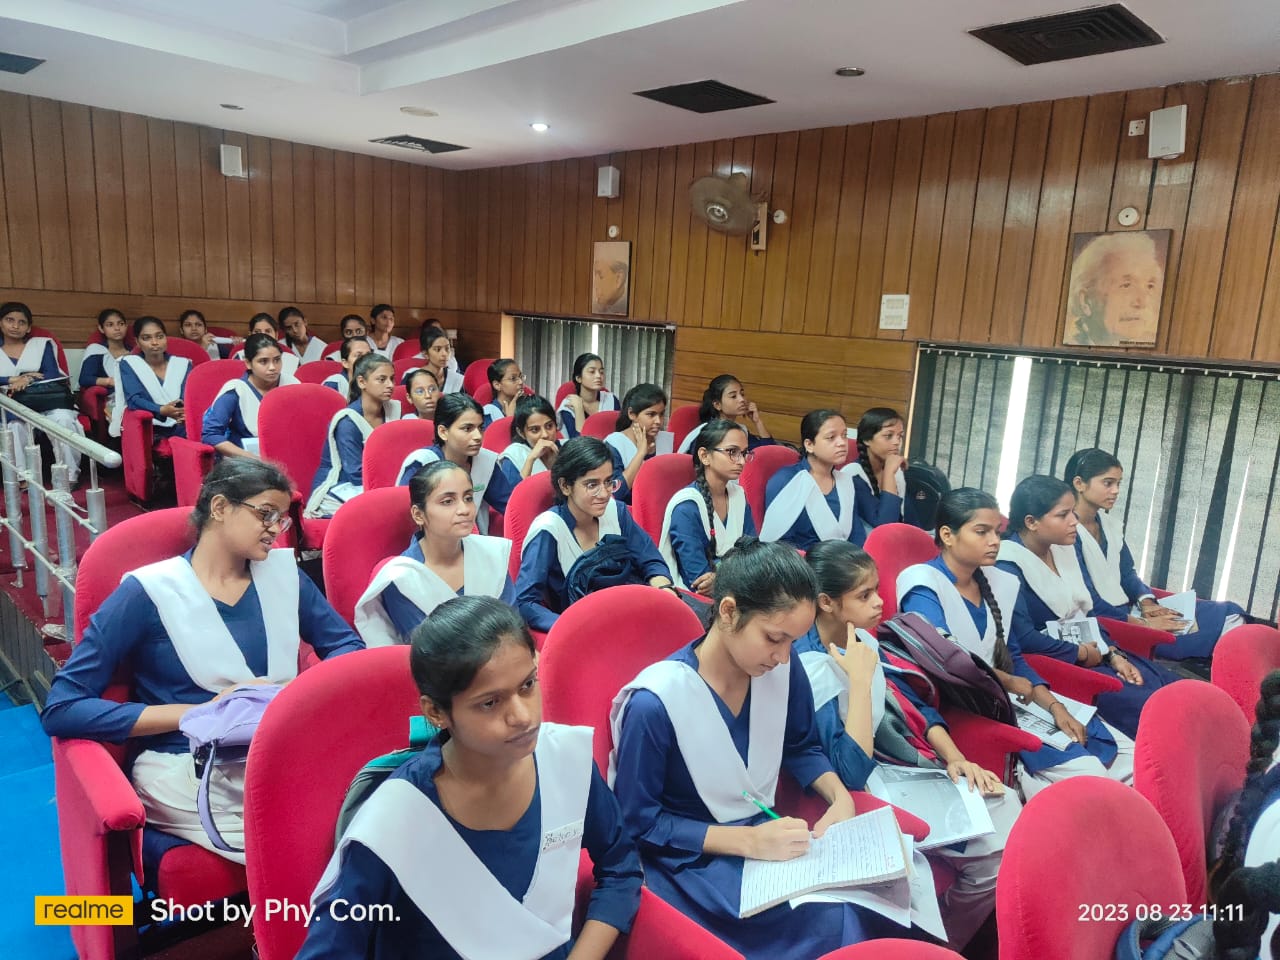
763,809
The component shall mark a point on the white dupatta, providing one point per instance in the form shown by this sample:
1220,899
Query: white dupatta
727,531
1104,568
1004,587
568,550
1063,592
480,471
518,454
329,488
170,391
801,495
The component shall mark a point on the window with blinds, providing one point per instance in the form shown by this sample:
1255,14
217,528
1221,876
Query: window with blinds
1200,448
632,353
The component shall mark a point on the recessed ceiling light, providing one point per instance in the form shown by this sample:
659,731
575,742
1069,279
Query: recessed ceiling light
540,127
849,71
419,112
230,106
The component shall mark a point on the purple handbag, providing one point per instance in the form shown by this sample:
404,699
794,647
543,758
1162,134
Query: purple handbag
219,732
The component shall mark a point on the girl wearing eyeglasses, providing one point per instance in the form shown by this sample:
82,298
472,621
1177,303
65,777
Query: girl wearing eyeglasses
705,519
587,541
507,383
423,390
190,629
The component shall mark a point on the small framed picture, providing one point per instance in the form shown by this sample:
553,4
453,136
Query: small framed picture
611,277
1117,284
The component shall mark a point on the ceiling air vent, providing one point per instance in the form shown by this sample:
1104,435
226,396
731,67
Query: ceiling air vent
16,63
1066,36
420,143
704,96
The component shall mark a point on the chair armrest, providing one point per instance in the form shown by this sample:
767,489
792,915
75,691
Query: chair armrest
100,787
1075,682
973,733
1130,636
191,461
660,930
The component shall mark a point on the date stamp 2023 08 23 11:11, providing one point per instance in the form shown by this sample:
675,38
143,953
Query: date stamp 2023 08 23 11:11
1142,912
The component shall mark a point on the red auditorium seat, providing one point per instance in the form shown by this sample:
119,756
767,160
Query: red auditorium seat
600,425
658,480
531,497
387,447
1241,659
497,435
293,427
755,475
192,458
365,531
683,420
317,371
475,374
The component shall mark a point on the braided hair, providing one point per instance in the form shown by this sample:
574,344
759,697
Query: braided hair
1257,892
872,422
955,509
710,437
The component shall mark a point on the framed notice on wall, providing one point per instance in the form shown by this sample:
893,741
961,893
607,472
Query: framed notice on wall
1116,286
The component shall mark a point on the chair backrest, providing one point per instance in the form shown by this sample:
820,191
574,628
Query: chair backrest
657,482
755,475
497,435
180,347
580,676
891,947
683,420
404,365
129,544
1189,759
317,371
563,391
333,346
60,353
600,425
476,373
1084,840
1241,659
380,528
410,348
203,385
401,396
222,331
293,427
313,739
531,497
387,447
894,547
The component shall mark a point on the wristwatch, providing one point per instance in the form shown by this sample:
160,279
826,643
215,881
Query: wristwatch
1106,657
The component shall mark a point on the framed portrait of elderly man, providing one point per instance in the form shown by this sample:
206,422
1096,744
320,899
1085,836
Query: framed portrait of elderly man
1117,283
611,277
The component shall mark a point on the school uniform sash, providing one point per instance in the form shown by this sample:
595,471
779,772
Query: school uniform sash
330,487
170,391
202,641
452,382
854,468
481,472
110,364
715,766
518,454
337,381
29,361
493,411
607,402
313,351
484,572
568,550
1004,587
1063,592
622,442
727,531
1104,567
801,495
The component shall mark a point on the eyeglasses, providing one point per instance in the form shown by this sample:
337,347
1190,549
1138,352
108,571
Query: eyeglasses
518,378
736,455
269,516
593,487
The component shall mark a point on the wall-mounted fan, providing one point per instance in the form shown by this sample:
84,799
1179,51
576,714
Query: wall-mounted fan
724,203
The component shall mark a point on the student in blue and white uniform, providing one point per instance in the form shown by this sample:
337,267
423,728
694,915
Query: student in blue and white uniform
350,353
868,714
444,559
382,321
1039,550
298,338
100,364
436,352
259,323
424,393
879,486
340,475
507,383
1108,565
154,382
488,821
231,422
191,326
638,434
535,442
963,594
700,733
460,437
814,499
226,613
725,398
351,328
705,519
585,517
25,360
431,323
589,395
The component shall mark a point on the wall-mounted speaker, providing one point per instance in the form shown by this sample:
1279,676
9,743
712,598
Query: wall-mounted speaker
608,180
231,160
1167,133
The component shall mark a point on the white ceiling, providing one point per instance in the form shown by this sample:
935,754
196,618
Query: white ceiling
335,72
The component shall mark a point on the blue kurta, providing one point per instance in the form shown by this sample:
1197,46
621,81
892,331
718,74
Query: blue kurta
405,614
510,855
495,493
670,821
137,398
620,465
350,451
874,509
92,369
223,422
1018,628
1210,614
541,594
689,538
801,534
49,369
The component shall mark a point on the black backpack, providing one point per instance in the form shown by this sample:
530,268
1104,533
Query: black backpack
925,486
608,564
371,775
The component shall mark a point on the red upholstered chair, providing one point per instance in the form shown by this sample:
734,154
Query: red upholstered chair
894,547
1134,637
600,425
317,371
192,458
657,482
100,818
410,348
293,427
1241,659
387,447
224,332
497,435
1063,853
185,348
1189,760
755,475
475,374
406,364
380,527
401,396
137,437
563,391
683,420
531,497
333,346
891,949
93,400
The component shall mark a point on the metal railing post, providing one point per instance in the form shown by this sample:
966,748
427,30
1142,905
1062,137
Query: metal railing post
66,551
12,502
39,526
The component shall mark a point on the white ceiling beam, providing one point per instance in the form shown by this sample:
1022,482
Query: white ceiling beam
411,17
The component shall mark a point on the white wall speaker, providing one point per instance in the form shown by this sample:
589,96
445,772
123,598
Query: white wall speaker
608,180
231,160
1167,133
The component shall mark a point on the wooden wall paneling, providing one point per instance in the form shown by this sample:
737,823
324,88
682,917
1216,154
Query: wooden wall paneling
988,224
642,260
903,210
469,240
663,205
1131,185
325,242
717,246
848,242
1042,314
82,197
417,223
1208,216
541,258
735,251
51,193
449,234
261,264
191,253
6,264
1236,320
304,221
580,259
532,239
1009,306
926,237
283,242
509,225
681,236
849,351
108,176
753,272
613,205
1267,346
139,223
213,201
362,228
695,279
875,224
21,210
571,202
164,207
826,219
435,235
631,164
382,231
957,223
401,216
786,149
239,227
344,228
555,236
804,203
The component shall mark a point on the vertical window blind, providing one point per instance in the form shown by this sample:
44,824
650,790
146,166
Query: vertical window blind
1200,449
547,346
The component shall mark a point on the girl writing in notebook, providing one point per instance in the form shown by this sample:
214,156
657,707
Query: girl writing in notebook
701,734
489,820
